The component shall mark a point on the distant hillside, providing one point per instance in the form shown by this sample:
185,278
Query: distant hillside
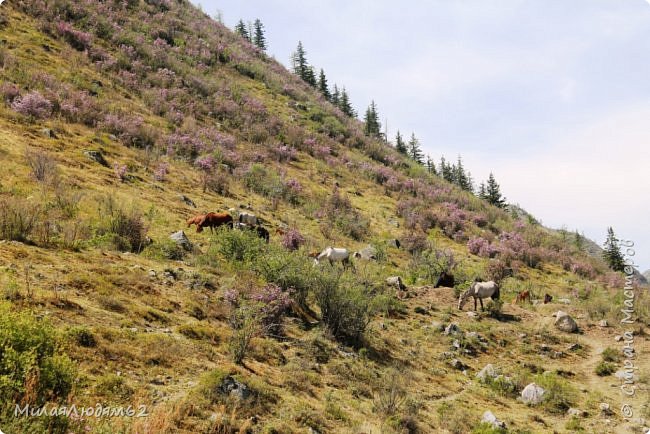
120,120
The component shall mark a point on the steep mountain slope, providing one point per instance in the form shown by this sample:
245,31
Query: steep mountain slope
184,112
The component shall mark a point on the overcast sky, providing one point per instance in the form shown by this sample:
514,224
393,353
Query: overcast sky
552,96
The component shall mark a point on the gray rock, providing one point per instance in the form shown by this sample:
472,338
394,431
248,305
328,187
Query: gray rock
490,418
489,371
564,300
181,239
96,156
574,347
603,323
452,329
234,388
394,243
396,281
368,253
532,394
187,200
564,322
50,134
457,364
605,408
576,412
618,338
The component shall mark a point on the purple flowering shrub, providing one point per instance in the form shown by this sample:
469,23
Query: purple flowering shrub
33,105
121,171
292,239
77,39
161,171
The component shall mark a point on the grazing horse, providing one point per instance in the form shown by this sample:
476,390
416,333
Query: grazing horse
479,290
334,254
214,220
263,233
547,298
445,279
522,297
195,220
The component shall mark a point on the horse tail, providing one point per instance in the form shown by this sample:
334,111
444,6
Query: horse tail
496,294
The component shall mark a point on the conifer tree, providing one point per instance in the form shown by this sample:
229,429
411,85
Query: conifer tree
462,179
299,60
493,193
446,170
431,166
336,96
612,252
579,240
310,76
322,85
371,119
345,105
400,145
258,37
240,29
414,149
482,192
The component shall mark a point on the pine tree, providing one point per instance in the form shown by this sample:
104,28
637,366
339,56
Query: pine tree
414,149
493,193
462,179
310,76
400,145
446,170
344,104
612,252
299,60
258,37
322,85
482,192
240,29
371,119
336,96
579,240
431,166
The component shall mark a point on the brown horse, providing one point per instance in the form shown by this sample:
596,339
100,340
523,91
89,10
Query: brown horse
522,297
195,220
214,220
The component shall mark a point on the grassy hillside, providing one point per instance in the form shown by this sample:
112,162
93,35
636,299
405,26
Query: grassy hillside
100,306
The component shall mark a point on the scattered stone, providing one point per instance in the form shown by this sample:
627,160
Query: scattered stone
618,338
452,329
457,364
394,243
490,418
603,323
523,335
574,347
605,408
367,253
472,314
557,355
532,394
47,132
112,137
393,222
564,300
437,326
577,412
234,388
181,239
489,371
564,322
96,156
152,274
187,200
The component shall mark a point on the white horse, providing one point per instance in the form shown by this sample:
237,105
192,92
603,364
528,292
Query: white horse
479,290
334,254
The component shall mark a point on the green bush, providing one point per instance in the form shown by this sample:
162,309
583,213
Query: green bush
30,363
611,355
166,249
82,336
346,306
559,395
238,246
487,428
289,270
604,369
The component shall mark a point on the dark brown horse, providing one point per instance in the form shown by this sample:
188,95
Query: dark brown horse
195,220
522,297
214,220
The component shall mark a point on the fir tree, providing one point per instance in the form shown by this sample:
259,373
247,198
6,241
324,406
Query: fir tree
322,85
310,76
336,96
299,60
482,192
431,166
344,104
400,145
240,29
612,252
258,37
414,149
446,170
579,240
493,193
462,179
371,119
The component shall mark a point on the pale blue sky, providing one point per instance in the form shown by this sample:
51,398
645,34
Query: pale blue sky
552,96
